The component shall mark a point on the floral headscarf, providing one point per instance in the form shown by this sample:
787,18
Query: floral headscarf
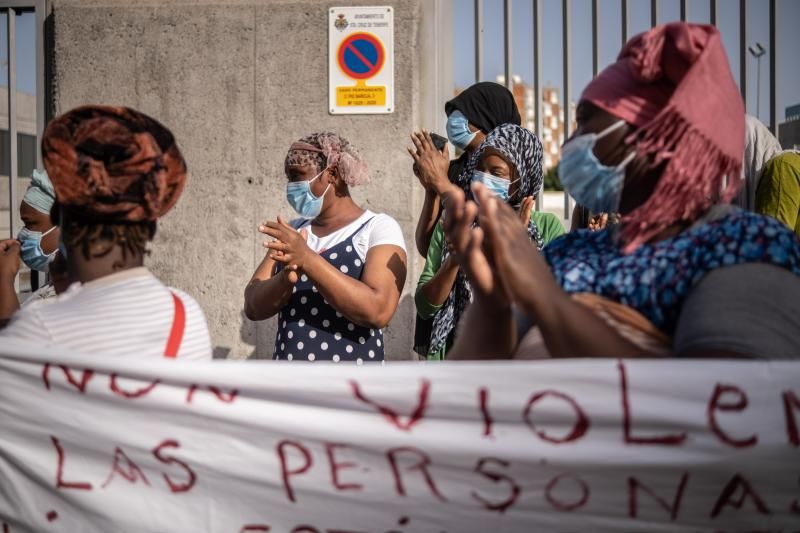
329,150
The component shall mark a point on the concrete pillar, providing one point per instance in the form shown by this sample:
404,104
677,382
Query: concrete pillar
237,82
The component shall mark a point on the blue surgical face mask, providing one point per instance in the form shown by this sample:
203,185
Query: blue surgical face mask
31,249
302,200
592,184
498,186
458,130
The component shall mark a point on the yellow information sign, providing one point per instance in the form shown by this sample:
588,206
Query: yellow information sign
360,95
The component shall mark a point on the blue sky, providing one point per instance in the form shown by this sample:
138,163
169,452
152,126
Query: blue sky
522,42
26,52
610,41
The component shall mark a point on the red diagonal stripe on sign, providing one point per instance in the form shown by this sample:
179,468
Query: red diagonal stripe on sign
360,55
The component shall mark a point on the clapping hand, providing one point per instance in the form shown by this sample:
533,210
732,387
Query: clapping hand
469,248
9,258
430,164
288,247
525,209
598,222
519,265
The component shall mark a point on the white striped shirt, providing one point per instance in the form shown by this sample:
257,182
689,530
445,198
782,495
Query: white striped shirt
127,313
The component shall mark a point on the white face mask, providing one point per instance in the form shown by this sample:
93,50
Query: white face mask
592,184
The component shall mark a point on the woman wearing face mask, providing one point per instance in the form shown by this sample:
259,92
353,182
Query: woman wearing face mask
657,132
334,275
509,164
39,237
36,245
115,172
470,117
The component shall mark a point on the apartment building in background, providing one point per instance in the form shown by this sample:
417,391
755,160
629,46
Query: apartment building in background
789,131
552,134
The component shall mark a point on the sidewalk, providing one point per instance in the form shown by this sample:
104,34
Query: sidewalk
553,202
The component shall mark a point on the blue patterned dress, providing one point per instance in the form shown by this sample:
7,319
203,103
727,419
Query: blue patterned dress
656,278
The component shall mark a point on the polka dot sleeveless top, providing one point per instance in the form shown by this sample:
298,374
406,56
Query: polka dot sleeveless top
310,329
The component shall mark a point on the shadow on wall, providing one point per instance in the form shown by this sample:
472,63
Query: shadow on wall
260,335
399,334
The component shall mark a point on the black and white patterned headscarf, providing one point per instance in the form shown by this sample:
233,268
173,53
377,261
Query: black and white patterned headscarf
523,150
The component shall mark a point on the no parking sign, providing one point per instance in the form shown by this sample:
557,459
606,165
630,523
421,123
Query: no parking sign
361,60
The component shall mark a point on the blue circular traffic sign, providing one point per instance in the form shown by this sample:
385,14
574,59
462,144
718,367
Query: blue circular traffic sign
361,56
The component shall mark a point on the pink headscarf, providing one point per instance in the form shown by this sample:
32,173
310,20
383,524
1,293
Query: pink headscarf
675,85
329,150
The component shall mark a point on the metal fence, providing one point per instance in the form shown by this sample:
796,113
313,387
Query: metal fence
15,7
566,20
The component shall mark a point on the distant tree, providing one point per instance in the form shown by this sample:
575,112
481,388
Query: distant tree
551,181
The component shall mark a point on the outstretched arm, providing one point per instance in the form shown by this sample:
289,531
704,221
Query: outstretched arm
569,329
487,329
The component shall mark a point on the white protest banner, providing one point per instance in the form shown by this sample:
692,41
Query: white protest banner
104,444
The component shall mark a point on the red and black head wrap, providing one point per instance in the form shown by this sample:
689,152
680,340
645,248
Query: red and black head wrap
113,164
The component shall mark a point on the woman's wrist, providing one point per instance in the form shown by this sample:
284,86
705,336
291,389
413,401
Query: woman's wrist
450,263
440,186
495,305
544,305
313,264
284,276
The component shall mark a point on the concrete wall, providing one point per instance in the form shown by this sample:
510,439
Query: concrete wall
237,82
